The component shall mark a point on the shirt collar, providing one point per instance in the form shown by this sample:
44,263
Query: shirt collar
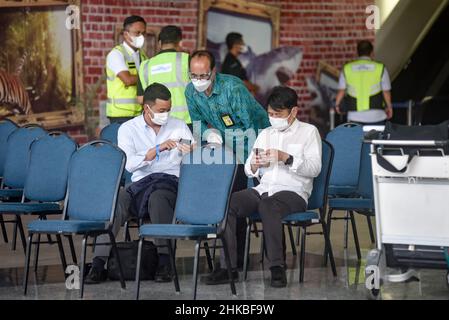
364,58
129,49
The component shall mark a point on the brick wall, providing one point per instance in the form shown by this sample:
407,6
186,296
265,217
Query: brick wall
324,29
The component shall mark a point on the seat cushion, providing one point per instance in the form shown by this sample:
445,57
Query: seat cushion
351,203
17,207
341,190
7,193
302,216
176,230
65,226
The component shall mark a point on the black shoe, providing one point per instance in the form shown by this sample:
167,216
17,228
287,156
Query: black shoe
163,274
278,277
219,276
96,276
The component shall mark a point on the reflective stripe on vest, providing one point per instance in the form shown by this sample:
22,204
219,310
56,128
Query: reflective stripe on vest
160,69
363,79
122,100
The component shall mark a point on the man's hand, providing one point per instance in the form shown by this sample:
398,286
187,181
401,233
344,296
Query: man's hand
389,112
337,109
185,148
275,155
168,145
259,161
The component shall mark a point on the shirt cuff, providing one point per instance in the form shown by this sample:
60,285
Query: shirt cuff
297,162
250,173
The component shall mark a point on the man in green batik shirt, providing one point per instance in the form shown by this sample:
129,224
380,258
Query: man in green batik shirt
226,111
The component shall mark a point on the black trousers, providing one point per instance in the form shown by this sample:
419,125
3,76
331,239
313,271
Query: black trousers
240,183
272,210
120,120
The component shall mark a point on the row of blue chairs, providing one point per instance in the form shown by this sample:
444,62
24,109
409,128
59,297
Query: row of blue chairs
42,169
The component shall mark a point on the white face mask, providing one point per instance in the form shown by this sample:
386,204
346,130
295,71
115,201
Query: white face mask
138,41
243,48
159,118
201,85
280,123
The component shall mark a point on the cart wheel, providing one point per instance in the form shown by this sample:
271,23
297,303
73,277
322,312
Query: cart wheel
373,294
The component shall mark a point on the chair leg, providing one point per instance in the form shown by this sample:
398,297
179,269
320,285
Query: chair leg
298,236
72,249
14,235
83,263
27,263
210,263
36,253
2,224
329,223
356,237
127,236
21,232
346,228
292,240
214,249
328,246
370,228
246,254
139,262
94,244
228,266
171,252
302,255
195,267
61,252
114,247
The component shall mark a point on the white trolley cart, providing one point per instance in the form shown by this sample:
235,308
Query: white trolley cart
412,211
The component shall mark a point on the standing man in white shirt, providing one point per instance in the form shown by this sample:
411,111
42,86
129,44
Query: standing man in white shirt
285,157
154,144
122,65
365,88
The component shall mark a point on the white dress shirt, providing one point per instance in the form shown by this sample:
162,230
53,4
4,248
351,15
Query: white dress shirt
303,142
116,61
135,138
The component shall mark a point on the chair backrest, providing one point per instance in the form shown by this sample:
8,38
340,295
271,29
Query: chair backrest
48,166
95,171
318,198
6,128
17,155
205,184
110,132
347,142
365,188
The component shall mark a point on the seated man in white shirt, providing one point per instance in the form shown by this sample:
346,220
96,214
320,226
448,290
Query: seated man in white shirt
154,144
285,157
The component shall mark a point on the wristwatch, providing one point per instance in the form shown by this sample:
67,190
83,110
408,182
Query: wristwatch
289,161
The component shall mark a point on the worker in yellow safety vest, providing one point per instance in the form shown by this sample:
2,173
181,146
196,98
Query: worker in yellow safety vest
169,67
122,65
365,88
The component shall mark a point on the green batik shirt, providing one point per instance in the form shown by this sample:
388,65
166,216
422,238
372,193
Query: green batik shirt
229,107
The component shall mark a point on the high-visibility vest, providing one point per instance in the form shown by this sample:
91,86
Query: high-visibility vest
363,85
122,100
171,70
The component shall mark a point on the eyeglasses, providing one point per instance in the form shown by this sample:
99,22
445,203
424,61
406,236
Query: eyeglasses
205,76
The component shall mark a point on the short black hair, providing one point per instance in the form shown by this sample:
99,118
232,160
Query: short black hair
233,38
170,34
132,19
156,91
203,53
364,48
282,97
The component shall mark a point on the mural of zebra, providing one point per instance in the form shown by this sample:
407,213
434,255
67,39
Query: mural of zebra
13,95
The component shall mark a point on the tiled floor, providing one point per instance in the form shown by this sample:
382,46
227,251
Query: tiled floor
319,283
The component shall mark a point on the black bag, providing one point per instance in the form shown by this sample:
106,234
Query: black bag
128,258
439,133
422,257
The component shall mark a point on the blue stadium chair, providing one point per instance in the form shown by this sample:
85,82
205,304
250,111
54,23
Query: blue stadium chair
92,191
316,201
201,208
347,140
362,201
6,128
15,168
46,180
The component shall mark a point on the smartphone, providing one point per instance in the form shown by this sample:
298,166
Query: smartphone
185,141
